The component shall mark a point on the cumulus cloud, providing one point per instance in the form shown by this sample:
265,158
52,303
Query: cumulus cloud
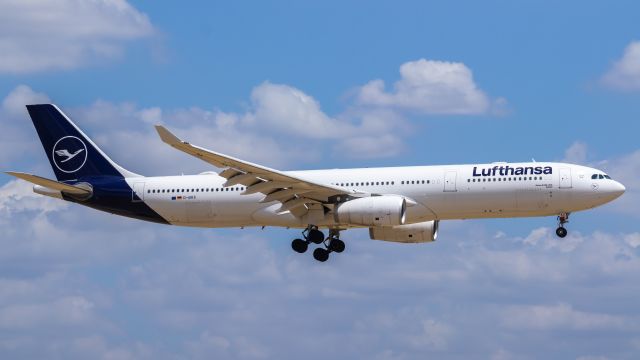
558,316
430,87
14,103
18,195
291,111
49,35
281,127
576,153
72,276
624,74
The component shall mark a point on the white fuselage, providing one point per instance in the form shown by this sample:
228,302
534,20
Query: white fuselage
495,190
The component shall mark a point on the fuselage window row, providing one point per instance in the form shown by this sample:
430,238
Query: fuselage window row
520,178
382,183
162,191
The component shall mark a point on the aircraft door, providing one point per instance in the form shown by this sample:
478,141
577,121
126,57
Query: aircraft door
565,178
137,194
450,181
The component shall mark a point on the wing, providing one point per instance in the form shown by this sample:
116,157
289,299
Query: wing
62,152
295,193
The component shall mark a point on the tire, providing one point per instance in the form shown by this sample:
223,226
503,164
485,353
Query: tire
321,254
299,246
561,232
336,245
316,236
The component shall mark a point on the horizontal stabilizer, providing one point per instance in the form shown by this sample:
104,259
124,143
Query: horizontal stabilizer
51,184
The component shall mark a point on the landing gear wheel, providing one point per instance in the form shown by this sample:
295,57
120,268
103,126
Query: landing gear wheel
561,232
321,254
336,245
315,236
299,246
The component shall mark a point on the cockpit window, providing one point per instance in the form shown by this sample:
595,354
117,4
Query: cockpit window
600,176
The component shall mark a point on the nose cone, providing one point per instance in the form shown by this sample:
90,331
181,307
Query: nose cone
619,189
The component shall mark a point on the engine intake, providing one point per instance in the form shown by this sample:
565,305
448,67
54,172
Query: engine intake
411,233
372,211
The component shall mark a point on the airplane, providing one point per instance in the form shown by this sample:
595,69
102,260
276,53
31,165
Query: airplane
396,204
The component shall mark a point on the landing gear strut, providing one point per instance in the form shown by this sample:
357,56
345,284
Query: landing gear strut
312,235
563,218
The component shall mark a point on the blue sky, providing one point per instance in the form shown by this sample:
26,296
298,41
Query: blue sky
300,85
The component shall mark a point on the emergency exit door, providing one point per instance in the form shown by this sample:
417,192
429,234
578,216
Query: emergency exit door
450,180
565,178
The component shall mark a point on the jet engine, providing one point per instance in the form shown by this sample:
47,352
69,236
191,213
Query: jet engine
372,211
411,233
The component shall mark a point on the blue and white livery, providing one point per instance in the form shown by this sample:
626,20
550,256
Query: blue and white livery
398,204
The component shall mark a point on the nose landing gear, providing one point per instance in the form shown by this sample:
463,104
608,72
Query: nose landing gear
563,218
312,235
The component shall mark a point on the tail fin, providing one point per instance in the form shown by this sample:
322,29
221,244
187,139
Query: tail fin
71,153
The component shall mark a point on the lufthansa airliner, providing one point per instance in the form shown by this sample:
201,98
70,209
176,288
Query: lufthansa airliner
398,204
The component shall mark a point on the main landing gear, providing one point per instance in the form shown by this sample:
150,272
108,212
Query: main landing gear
563,218
312,235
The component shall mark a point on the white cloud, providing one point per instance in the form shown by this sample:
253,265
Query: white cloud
18,196
430,87
291,111
576,153
49,35
243,294
624,74
282,126
14,103
72,310
560,316
632,240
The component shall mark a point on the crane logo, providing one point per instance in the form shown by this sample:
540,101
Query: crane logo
69,154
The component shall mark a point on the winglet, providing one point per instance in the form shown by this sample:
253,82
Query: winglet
168,137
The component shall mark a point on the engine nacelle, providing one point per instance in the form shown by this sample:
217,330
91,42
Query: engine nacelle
411,233
372,211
